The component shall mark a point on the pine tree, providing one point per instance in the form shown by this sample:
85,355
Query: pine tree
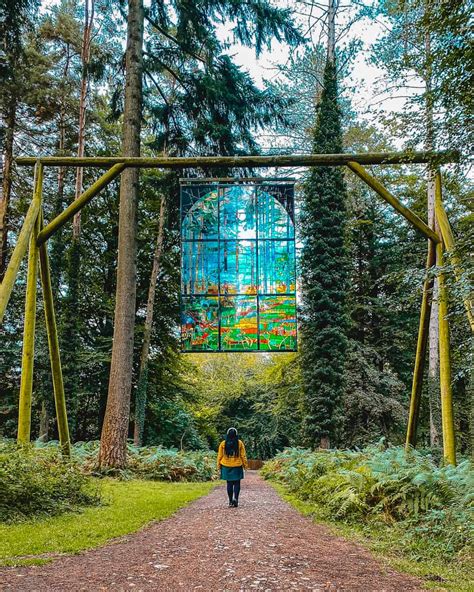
324,275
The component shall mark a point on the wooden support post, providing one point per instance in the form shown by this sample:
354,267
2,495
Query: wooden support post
415,220
79,203
27,362
420,350
54,352
448,239
19,251
447,415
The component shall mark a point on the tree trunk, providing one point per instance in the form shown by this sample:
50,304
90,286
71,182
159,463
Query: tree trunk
85,58
6,183
324,444
113,445
433,336
331,48
44,423
140,401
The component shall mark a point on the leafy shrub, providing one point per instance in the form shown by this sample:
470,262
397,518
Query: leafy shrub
422,501
161,464
40,482
148,462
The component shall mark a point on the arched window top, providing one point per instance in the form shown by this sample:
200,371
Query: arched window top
237,212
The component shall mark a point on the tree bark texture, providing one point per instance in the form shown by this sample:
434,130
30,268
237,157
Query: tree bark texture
116,421
140,401
331,48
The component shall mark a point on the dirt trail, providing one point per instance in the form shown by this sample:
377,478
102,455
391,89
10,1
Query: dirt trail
262,545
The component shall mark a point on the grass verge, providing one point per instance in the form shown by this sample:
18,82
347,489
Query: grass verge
383,543
129,506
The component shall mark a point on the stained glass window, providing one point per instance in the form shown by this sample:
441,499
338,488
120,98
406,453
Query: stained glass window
238,279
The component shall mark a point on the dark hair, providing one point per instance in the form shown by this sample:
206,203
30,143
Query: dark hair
232,443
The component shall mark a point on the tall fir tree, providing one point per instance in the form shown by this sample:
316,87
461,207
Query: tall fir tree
324,275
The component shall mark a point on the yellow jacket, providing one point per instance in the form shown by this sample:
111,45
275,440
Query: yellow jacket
232,461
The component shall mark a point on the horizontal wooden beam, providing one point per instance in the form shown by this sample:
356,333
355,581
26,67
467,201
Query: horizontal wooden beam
290,160
415,220
79,203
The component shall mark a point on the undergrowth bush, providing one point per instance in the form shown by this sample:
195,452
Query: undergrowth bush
40,482
429,507
150,462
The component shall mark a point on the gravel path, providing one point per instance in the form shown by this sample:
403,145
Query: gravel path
263,545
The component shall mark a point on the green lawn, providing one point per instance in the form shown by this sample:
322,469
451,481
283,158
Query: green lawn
128,506
455,576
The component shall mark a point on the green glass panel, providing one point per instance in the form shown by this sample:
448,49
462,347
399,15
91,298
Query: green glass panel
237,212
238,267
277,322
276,266
199,267
273,219
201,219
238,323
200,323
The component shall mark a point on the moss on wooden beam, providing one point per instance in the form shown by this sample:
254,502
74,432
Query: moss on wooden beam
290,160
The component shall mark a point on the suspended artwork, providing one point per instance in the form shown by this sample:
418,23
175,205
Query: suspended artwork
238,279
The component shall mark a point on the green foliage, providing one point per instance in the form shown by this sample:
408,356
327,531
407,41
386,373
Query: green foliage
35,482
324,275
149,462
386,487
129,506
259,395
159,464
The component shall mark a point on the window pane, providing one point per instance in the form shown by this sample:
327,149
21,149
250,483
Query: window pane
276,266
273,219
238,323
200,220
277,322
200,274
200,323
237,212
238,267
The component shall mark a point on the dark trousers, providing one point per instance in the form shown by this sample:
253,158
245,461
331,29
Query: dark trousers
233,490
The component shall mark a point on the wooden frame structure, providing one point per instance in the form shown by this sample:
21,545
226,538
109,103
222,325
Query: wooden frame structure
34,235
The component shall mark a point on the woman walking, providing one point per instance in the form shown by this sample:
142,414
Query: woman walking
231,461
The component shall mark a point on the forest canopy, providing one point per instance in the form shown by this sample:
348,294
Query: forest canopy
96,78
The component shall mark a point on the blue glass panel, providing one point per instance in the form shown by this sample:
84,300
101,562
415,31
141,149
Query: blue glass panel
238,267
200,323
273,218
276,266
201,220
200,274
239,323
237,212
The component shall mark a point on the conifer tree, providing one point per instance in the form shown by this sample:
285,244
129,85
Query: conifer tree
324,275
